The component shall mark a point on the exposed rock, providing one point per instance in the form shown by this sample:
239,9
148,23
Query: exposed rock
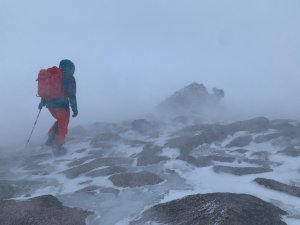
46,210
266,137
149,155
261,155
212,209
94,189
281,142
241,170
286,128
135,179
293,151
192,99
241,141
99,162
240,150
198,162
105,140
106,171
253,125
135,143
278,186
207,136
141,125
219,158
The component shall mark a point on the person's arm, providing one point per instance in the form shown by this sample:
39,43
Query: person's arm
71,92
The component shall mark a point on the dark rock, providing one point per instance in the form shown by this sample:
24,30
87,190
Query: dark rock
240,150
241,170
292,151
212,209
105,140
262,162
99,162
149,155
45,210
198,162
94,189
141,125
81,150
208,135
135,143
261,155
275,185
91,188
254,125
241,141
266,137
108,190
219,158
281,142
193,99
135,179
106,171
286,128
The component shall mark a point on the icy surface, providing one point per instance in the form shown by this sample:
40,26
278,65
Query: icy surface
118,205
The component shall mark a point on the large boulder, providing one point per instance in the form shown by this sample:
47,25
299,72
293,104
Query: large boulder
239,171
240,141
278,186
149,155
105,140
254,125
212,209
188,139
266,137
293,151
193,99
42,210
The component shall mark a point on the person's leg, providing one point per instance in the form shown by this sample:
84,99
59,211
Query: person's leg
52,134
62,117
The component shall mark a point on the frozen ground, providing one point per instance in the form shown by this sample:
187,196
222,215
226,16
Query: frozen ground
184,169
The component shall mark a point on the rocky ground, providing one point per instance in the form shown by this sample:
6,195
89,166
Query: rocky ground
149,172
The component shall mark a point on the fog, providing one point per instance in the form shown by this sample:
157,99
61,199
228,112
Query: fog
130,55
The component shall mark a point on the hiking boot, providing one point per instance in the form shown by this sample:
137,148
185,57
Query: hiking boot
52,136
58,150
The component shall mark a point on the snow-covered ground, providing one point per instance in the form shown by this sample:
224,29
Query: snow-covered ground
117,205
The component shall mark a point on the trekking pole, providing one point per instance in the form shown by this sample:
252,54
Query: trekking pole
33,127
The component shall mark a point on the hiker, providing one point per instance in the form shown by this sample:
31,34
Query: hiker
58,101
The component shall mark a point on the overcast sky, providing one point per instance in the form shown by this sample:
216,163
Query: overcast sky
130,54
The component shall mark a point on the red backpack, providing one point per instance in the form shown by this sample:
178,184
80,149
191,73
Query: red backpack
50,83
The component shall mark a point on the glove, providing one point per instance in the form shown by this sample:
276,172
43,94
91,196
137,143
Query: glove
75,113
41,105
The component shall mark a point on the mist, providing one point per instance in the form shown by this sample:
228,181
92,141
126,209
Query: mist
130,55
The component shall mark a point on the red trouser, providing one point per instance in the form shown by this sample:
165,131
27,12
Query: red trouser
62,116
